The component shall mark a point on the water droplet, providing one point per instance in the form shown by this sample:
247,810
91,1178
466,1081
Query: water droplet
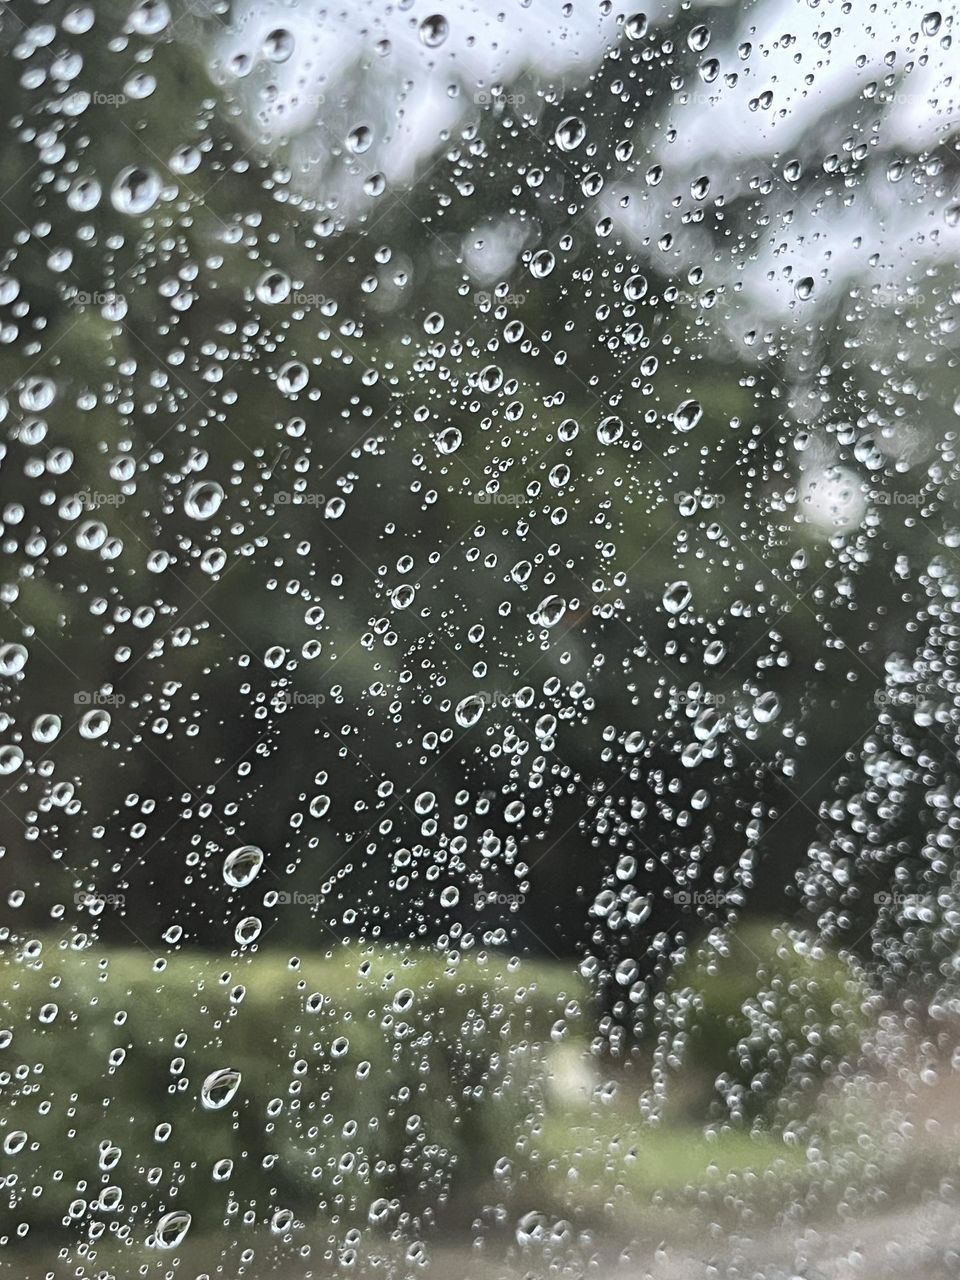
171,1229
203,499
793,170
610,429
570,133
281,1221
219,1088
677,596
687,415
135,190
434,30
636,26
45,728
403,596
360,139
766,708
698,38
469,710
14,1142
292,378
549,611
242,865
714,653
13,658
279,45
491,378
84,195
273,287
448,440
248,930
94,724
150,17
542,263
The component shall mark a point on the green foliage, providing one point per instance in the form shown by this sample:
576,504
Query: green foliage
405,1078
763,1020
664,1168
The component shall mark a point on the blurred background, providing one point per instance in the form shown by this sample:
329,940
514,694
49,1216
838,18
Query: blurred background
479,651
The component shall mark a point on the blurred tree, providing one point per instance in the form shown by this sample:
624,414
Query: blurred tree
540,604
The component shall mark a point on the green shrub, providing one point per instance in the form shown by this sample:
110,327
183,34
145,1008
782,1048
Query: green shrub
763,1022
364,1077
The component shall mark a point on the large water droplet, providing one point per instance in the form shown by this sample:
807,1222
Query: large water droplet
470,709
273,287
203,499
570,133
279,45
360,139
434,30
94,724
135,190
549,611
687,415
677,596
171,1229
219,1088
241,866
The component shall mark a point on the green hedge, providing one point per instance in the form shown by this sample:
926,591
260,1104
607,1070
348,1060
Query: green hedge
762,1022
393,1081
364,1077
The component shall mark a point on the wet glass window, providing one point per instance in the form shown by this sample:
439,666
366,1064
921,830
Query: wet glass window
480,647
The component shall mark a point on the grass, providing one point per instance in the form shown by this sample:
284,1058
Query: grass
603,1162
